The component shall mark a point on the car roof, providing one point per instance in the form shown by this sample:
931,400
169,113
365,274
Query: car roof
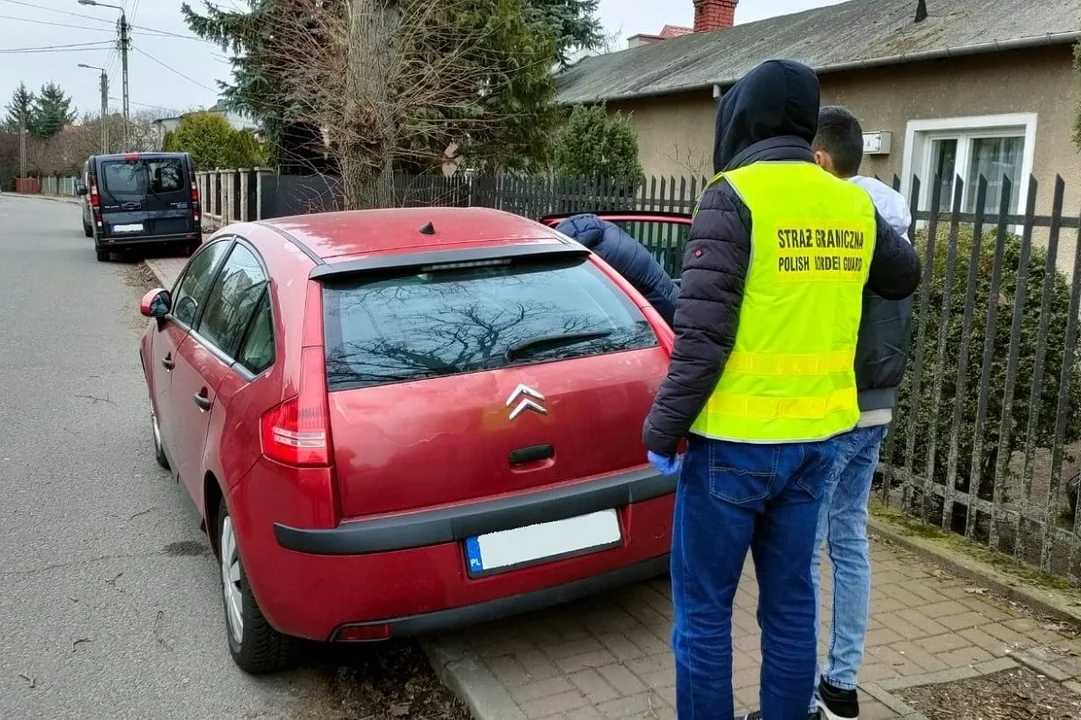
392,230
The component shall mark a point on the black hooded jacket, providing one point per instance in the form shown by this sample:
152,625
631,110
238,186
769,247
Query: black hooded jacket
769,115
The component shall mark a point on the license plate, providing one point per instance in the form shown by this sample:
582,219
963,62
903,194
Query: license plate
509,549
136,227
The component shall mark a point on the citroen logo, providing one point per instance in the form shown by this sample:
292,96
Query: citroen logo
527,398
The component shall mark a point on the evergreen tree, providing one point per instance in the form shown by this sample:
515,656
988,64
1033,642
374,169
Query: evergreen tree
20,107
52,111
574,24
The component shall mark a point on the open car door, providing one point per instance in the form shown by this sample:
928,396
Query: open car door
664,234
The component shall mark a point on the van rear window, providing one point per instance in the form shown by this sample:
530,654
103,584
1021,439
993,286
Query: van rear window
142,176
447,322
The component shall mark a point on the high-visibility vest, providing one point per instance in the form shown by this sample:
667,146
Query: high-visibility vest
791,375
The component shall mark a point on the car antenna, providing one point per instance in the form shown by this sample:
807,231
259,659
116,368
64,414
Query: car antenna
428,229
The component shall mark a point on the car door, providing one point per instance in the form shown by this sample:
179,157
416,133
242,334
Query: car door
168,195
188,295
122,188
207,355
664,234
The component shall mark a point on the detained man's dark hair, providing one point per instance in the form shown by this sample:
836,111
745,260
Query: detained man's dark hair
840,135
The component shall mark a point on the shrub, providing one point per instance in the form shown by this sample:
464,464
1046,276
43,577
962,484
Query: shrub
919,416
594,144
213,143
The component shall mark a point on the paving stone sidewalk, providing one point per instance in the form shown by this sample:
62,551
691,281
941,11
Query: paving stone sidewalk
609,657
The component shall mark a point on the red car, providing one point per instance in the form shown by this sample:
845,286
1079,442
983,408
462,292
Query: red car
398,421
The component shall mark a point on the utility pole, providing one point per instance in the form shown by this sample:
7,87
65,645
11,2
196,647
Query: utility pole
104,106
22,144
125,41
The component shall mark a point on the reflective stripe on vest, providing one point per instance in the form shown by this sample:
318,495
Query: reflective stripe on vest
790,377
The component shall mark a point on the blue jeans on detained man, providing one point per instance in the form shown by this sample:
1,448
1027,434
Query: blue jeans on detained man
731,498
842,527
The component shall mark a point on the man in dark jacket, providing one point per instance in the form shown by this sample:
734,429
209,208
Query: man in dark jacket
881,352
627,257
761,382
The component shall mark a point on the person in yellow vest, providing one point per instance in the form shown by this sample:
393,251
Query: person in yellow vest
761,384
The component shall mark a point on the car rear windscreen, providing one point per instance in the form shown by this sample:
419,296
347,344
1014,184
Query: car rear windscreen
446,322
142,176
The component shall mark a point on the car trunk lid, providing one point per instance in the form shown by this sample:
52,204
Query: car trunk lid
464,383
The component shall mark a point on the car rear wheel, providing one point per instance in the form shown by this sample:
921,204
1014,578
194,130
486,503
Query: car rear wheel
159,449
103,255
255,646
87,230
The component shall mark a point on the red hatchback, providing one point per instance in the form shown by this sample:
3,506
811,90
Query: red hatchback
397,421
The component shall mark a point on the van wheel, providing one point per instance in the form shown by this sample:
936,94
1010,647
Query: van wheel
103,255
256,647
87,230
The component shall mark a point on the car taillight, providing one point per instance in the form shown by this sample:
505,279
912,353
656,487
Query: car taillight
95,201
194,193
297,432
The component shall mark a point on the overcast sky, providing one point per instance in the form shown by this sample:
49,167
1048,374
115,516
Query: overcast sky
161,41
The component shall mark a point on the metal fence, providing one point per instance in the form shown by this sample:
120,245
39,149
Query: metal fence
986,436
987,433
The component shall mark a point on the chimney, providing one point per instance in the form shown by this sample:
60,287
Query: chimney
712,15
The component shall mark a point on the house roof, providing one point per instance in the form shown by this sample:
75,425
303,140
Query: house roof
858,33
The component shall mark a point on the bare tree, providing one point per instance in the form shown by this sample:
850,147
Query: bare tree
389,82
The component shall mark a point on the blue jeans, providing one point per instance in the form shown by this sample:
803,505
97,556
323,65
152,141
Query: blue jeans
842,525
732,497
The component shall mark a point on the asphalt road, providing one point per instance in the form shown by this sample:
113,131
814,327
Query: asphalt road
109,602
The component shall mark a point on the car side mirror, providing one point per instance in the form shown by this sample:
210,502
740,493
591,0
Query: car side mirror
80,189
156,303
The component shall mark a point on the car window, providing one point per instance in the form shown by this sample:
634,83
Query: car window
232,300
258,351
123,176
193,286
439,323
165,175
665,240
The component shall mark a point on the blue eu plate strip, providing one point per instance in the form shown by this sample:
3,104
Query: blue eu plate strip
472,555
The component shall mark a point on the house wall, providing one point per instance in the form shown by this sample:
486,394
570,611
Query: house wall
675,133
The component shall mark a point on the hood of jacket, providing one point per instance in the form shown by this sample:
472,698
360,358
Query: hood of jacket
778,100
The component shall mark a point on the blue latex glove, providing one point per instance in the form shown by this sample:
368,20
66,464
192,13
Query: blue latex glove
667,465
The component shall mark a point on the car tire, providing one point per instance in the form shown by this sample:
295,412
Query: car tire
159,449
256,647
87,230
190,249
103,255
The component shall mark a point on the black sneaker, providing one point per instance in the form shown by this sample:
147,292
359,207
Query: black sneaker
837,704
757,715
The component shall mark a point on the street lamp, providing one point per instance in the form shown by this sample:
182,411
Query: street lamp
104,106
124,40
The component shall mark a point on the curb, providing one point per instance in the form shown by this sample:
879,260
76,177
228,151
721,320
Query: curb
462,670
53,198
976,571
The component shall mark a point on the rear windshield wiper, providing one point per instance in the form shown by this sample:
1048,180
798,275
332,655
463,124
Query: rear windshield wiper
549,341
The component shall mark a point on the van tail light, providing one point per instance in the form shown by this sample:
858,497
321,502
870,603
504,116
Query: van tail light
194,193
95,201
297,432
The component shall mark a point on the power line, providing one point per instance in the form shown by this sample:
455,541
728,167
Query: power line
74,47
32,6
169,34
175,72
55,24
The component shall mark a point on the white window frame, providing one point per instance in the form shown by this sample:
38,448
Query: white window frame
919,135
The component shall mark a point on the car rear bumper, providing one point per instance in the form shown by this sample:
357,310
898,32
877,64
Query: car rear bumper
311,584
124,241
431,527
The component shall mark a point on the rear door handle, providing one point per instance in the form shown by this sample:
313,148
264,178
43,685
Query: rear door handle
202,400
167,362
